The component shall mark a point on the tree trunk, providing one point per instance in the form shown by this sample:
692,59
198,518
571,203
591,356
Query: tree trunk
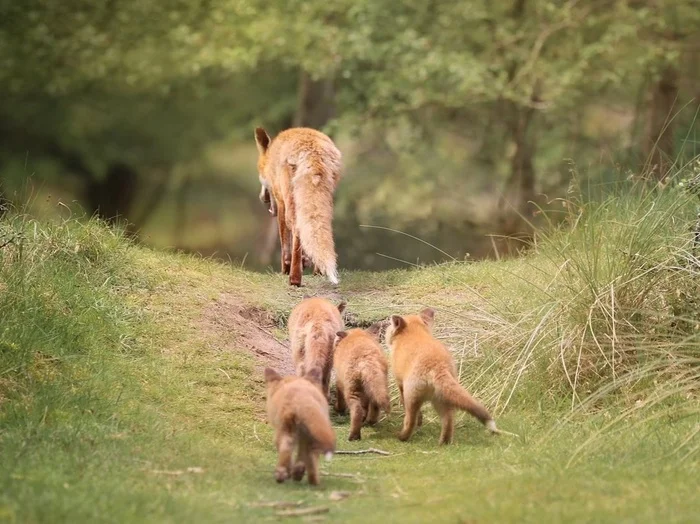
515,205
112,197
4,202
315,102
660,141
180,221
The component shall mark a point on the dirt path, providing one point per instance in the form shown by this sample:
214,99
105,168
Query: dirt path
249,328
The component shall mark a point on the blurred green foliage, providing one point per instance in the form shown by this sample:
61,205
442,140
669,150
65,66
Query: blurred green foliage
449,114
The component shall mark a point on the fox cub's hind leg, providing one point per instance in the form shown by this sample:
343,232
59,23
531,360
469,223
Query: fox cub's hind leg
340,406
447,419
372,414
357,416
412,404
285,447
312,467
300,466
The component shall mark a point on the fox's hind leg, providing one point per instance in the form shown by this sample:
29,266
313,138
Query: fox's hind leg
357,415
295,269
372,414
340,406
412,403
284,239
303,450
311,462
326,379
419,421
285,447
447,418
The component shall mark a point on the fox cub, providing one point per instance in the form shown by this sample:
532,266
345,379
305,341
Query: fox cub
299,170
361,372
312,325
425,371
298,412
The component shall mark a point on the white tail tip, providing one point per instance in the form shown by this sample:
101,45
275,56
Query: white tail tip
328,456
491,426
333,277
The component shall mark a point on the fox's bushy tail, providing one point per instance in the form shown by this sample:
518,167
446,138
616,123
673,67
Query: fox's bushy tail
317,427
377,389
313,199
452,393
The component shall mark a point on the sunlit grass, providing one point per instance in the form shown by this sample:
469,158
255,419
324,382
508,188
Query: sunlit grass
120,400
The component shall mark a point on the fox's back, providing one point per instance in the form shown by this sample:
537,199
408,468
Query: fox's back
315,313
416,352
295,394
301,145
357,351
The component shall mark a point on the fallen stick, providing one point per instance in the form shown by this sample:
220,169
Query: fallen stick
343,475
303,512
279,504
363,451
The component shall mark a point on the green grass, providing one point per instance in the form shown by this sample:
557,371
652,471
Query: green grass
114,380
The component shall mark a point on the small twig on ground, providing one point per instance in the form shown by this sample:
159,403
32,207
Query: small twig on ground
174,473
303,511
279,504
344,476
177,472
363,451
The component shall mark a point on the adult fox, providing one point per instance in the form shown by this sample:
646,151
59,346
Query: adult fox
300,168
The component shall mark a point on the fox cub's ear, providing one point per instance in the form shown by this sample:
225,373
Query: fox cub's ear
271,375
428,316
262,139
375,329
398,322
341,306
313,375
340,335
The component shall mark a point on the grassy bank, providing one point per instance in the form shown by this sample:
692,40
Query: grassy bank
130,384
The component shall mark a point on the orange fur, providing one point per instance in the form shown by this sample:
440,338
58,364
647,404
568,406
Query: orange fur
425,371
361,380
312,326
298,411
300,168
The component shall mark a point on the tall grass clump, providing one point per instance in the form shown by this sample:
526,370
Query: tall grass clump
602,315
626,291
64,321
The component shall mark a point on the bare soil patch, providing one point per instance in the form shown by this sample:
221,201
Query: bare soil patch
248,328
